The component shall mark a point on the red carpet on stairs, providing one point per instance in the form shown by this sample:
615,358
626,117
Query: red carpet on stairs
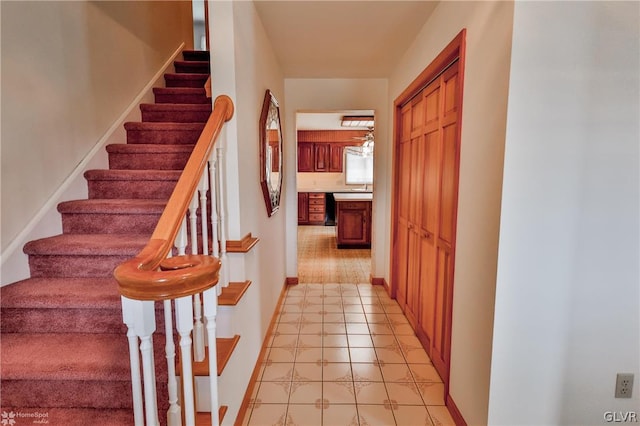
64,348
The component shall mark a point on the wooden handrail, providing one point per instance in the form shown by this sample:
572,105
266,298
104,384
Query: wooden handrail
151,275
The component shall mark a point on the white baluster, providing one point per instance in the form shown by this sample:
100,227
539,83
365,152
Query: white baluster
215,203
198,327
173,414
224,272
202,188
193,223
181,238
210,299
184,324
128,316
142,315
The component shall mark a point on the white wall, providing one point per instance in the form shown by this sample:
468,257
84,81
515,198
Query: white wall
306,95
486,77
69,70
567,300
244,67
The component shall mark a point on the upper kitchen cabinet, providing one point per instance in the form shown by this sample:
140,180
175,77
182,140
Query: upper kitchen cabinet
323,150
306,157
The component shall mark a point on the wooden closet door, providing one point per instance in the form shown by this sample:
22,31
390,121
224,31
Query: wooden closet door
416,167
429,213
448,200
403,188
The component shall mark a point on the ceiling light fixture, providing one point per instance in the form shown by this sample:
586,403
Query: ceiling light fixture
357,121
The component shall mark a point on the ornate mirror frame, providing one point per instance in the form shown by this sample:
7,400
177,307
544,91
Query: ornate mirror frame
270,153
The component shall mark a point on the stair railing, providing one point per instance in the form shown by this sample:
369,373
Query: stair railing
186,283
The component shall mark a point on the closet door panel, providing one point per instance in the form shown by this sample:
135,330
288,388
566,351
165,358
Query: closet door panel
439,344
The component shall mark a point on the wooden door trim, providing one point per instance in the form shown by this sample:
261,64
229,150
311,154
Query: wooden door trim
455,50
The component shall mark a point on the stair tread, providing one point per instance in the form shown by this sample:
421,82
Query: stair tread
73,356
148,148
224,349
88,244
162,126
175,107
66,293
204,418
187,76
179,90
190,62
105,174
232,294
113,206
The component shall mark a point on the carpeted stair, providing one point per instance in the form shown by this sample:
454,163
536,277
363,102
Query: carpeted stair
64,348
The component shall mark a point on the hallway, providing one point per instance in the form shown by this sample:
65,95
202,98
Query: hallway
344,354
341,352
321,262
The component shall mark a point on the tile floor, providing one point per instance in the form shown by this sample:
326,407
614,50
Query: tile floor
320,260
344,354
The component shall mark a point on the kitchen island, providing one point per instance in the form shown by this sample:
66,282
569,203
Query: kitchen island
353,217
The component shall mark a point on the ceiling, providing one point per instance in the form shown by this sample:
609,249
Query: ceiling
327,120
341,39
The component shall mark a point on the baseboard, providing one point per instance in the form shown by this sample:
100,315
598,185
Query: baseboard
14,262
455,413
263,351
291,281
382,282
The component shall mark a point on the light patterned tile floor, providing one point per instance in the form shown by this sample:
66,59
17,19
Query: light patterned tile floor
339,355
320,260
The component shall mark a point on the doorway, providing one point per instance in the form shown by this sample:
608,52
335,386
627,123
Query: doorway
334,165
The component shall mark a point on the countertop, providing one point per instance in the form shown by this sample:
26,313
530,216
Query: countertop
353,196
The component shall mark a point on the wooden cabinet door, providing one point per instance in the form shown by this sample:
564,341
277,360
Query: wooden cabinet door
321,153
354,223
336,156
303,208
306,157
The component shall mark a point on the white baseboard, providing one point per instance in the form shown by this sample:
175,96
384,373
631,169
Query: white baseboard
47,221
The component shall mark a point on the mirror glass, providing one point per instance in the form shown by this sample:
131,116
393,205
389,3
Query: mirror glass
270,153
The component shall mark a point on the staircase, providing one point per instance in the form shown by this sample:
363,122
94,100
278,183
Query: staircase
64,347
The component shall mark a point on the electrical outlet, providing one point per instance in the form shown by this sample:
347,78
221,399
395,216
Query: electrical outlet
624,385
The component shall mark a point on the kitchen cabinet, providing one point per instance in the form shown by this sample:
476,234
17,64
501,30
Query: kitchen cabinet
303,208
353,217
311,208
321,157
323,150
306,157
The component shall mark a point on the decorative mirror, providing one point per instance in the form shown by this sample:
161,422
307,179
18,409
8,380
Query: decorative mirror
270,153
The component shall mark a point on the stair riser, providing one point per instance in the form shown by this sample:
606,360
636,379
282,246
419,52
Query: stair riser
192,68
169,137
148,189
156,161
196,55
96,223
184,82
166,98
107,321
74,265
175,116
67,393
